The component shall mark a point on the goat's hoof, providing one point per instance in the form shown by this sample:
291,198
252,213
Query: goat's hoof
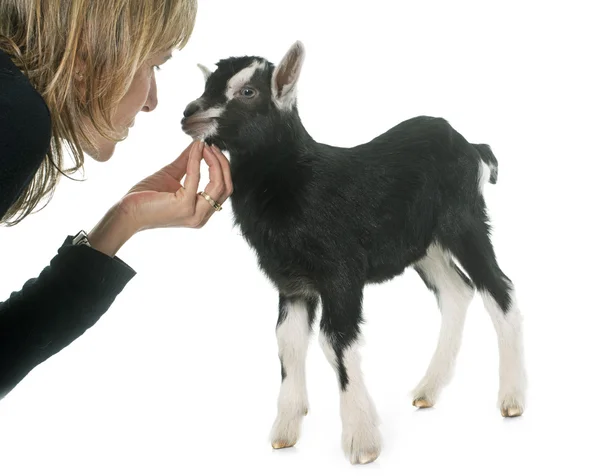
511,411
422,403
280,444
511,405
286,429
362,444
365,457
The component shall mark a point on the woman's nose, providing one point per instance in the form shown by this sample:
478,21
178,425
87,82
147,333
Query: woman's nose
152,99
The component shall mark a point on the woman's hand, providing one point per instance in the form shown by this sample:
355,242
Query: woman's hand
160,201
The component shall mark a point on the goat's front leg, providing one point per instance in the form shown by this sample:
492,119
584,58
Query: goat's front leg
340,336
296,316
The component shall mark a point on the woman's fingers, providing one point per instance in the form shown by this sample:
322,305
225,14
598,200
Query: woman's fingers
204,210
226,171
192,174
216,180
219,187
178,167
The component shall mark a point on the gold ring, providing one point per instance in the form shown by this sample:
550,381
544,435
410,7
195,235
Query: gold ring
215,205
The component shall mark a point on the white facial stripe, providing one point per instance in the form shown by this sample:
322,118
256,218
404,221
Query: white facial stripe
210,113
241,78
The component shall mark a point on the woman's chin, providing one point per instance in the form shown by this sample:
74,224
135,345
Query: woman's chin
103,153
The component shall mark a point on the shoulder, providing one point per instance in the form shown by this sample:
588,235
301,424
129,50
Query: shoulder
25,124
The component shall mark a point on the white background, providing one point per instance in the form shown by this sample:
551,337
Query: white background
181,375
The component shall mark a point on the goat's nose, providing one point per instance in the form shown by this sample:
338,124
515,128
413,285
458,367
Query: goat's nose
191,109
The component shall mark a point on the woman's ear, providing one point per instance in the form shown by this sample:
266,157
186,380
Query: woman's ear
80,66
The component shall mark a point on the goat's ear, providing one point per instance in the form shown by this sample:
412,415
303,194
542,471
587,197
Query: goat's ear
285,77
205,71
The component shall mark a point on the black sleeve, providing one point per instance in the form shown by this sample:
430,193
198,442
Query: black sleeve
53,310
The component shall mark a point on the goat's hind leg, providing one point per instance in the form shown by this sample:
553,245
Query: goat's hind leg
296,316
475,252
454,292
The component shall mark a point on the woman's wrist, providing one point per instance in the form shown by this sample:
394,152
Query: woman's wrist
112,232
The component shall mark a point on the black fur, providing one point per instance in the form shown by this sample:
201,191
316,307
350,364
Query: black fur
327,220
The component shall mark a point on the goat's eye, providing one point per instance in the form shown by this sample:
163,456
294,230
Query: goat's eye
247,92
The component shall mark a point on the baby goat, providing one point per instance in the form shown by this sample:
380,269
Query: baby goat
327,220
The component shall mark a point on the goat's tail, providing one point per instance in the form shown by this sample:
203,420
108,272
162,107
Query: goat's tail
488,157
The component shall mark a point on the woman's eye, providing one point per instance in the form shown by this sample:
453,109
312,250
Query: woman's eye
247,92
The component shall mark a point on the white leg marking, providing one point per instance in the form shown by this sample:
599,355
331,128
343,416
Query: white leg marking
513,379
361,439
292,336
454,297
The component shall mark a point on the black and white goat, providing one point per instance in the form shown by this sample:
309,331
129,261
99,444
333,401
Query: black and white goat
326,220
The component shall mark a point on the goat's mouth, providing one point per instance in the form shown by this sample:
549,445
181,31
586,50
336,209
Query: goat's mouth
199,127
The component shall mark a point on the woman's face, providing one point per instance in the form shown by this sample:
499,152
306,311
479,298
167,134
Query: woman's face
141,96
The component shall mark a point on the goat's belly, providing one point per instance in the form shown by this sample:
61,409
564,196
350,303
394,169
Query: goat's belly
290,279
384,273
389,262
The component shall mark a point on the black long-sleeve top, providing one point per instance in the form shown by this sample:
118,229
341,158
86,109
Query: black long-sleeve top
79,284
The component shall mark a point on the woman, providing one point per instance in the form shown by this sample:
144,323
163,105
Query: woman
75,73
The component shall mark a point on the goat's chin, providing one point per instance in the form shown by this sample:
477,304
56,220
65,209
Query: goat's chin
203,131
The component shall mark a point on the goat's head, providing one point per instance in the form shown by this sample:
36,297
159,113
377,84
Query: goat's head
245,100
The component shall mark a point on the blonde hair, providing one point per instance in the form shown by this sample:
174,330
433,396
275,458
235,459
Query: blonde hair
109,40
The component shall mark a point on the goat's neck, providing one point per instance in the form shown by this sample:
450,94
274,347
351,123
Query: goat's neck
274,169
290,146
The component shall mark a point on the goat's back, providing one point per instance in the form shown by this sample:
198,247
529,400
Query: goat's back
376,206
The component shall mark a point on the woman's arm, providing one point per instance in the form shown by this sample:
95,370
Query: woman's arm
54,309
81,282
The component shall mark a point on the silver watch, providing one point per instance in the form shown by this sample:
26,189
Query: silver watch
81,239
